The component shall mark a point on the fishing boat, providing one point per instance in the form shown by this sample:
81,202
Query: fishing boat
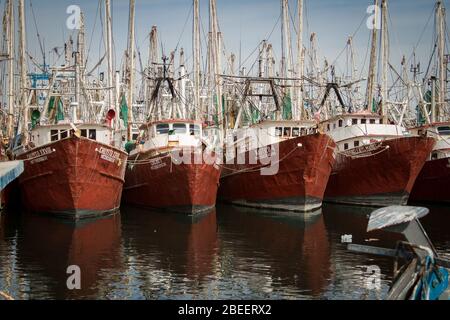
167,168
71,170
433,181
73,166
275,155
293,162
420,273
376,163
377,158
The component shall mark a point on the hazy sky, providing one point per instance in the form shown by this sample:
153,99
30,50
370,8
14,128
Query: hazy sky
241,21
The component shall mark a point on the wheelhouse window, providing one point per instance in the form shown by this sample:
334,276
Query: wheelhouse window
354,121
295,132
92,134
179,128
278,131
54,135
303,131
444,131
194,130
287,132
84,133
64,134
340,123
162,128
372,121
363,121
356,144
345,146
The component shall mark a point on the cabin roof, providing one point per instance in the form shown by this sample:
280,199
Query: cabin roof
364,114
286,122
174,121
434,124
67,124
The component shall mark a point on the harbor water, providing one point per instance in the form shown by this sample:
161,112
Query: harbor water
229,253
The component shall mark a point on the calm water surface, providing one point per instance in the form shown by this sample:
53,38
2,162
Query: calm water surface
230,253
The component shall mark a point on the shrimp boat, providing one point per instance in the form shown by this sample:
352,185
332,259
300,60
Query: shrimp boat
73,165
71,170
169,166
433,182
167,169
377,163
291,176
276,164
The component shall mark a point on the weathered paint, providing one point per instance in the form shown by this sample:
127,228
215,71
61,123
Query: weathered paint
73,177
299,185
383,178
155,181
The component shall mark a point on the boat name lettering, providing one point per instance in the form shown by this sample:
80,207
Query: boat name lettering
39,153
157,163
108,154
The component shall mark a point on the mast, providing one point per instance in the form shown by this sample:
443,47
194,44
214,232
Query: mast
130,68
286,47
270,61
440,12
373,60
111,81
81,45
300,61
23,73
384,59
215,52
11,46
153,59
196,55
183,106
68,51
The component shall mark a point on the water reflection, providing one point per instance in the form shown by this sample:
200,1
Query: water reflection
44,247
229,253
169,254
286,255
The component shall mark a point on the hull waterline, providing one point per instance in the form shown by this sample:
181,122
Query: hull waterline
384,175
158,182
73,178
304,166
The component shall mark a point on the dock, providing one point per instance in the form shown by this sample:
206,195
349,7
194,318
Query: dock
9,171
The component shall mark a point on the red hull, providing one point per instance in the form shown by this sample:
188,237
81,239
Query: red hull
157,182
74,177
299,185
381,178
433,182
